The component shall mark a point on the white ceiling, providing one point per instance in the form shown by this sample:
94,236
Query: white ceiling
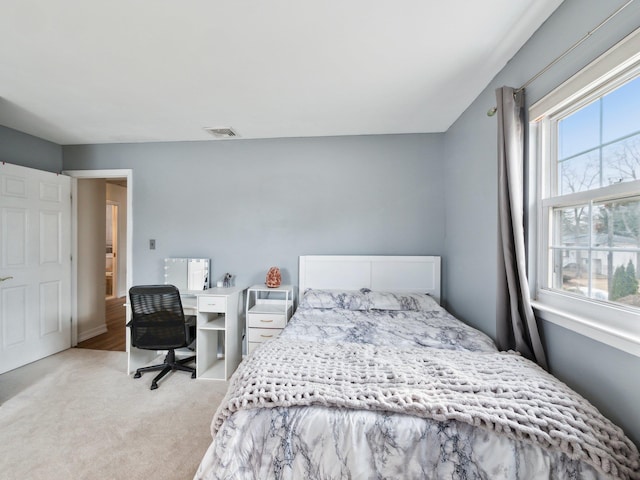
95,71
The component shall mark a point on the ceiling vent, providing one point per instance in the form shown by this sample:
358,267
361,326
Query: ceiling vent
222,132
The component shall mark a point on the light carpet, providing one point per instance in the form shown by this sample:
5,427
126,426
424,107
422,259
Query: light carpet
77,415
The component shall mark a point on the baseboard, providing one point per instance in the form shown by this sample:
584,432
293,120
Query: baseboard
95,331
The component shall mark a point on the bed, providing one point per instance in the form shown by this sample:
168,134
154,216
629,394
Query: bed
372,378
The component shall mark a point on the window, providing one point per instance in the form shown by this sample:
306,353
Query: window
594,231
586,145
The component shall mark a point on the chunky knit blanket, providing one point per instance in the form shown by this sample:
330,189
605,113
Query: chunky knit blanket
502,392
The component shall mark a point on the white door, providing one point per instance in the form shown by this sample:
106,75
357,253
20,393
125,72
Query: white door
35,265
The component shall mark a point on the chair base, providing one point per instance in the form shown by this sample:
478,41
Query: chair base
170,364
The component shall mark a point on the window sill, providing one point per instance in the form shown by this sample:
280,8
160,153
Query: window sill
615,337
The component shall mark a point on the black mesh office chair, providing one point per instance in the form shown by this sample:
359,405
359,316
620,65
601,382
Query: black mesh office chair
158,323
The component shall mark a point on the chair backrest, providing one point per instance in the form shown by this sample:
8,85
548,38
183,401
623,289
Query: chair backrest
157,318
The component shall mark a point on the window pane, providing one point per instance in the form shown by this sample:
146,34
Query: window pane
621,160
571,226
616,224
571,270
621,111
580,173
616,280
579,131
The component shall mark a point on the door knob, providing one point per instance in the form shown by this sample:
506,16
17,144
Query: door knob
2,279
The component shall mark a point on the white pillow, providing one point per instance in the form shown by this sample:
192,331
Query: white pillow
401,301
340,299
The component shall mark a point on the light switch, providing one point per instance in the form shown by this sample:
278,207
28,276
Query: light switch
152,244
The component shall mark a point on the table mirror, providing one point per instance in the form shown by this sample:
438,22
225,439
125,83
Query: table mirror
187,273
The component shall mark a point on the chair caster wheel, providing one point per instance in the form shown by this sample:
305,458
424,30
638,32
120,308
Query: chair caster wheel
137,375
193,375
154,386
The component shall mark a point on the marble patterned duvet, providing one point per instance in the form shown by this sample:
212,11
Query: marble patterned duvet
318,442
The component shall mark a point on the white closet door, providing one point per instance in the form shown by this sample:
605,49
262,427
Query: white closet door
35,265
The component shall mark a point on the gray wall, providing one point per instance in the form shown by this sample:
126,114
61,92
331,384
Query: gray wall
252,204
608,377
29,151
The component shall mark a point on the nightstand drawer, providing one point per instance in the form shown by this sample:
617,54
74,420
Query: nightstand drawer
212,304
253,346
266,320
263,334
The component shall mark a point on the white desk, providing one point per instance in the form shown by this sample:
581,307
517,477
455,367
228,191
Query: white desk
219,333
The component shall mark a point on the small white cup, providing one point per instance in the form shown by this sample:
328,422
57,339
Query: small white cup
219,284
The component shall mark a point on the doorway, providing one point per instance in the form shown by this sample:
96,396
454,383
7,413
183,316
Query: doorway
102,221
111,250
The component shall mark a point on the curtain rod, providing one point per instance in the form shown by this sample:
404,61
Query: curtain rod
492,111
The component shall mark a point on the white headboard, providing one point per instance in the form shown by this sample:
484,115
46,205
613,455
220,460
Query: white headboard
377,272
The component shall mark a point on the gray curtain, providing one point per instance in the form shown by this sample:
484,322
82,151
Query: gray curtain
516,324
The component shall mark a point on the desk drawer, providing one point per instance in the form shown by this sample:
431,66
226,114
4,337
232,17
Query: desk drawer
263,334
266,320
208,303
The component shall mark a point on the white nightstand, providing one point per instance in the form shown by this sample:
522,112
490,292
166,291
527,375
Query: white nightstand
268,311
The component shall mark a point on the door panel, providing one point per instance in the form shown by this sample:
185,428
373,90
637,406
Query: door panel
50,309
50,237
35,265
14,326
13,186
14,241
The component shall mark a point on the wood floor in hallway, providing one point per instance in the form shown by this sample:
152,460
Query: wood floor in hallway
115,337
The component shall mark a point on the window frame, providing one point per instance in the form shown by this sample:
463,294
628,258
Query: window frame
613,324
